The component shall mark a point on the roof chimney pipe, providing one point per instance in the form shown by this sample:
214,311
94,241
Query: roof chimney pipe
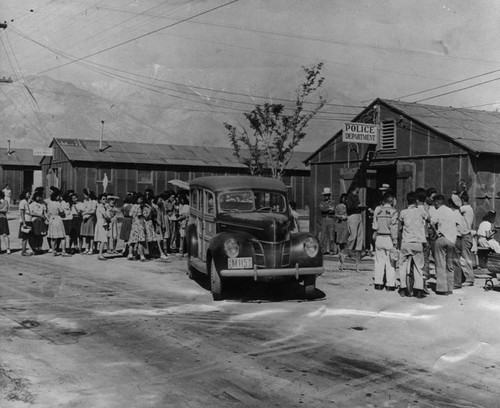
8,148
102,134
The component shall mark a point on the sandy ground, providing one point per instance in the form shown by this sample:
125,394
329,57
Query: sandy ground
78,332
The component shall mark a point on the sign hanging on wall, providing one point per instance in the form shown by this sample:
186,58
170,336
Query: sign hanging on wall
359,133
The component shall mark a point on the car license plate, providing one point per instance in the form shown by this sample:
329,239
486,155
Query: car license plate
239,263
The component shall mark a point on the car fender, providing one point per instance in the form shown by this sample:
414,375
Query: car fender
297,253
192,239
217,252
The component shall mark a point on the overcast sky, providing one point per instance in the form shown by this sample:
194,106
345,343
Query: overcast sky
371,48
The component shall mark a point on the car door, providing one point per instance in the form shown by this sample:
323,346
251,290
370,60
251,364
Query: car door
208,224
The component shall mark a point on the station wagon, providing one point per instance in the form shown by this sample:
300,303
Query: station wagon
240,226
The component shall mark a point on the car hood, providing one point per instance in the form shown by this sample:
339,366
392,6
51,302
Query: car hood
269,227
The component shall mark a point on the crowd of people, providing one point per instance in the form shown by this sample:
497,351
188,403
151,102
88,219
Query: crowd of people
150,225
431,228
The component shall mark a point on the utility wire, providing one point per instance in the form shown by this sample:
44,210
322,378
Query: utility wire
140,36
448,84
103,68
458,90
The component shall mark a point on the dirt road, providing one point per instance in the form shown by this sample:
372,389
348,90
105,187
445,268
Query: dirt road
77,332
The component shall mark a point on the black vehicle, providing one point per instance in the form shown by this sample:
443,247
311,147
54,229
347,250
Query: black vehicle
240,226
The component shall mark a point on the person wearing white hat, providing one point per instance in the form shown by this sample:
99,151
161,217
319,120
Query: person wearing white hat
327,209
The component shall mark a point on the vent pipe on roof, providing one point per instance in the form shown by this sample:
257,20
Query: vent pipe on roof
102,134
8,148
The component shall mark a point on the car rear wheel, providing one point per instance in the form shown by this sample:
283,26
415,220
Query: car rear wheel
309,286
215,282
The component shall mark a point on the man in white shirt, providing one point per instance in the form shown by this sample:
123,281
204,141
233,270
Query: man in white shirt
443,220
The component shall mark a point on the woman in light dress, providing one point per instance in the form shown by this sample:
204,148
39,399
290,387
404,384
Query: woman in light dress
38,210
102,225
137,239
88,219
56,231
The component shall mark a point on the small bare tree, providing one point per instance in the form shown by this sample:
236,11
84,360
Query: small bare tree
275,131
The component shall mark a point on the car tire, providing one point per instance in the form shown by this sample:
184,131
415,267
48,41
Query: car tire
309,286
215,282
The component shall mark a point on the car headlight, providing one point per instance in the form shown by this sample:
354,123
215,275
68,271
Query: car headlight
311,247
231,247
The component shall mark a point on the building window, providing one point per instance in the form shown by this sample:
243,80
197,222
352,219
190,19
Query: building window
145,176
388,135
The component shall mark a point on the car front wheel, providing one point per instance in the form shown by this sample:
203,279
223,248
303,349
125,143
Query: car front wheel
309,286
215,282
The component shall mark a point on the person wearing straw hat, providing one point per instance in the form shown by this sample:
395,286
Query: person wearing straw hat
327,209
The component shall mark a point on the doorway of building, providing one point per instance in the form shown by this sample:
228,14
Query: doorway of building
28,180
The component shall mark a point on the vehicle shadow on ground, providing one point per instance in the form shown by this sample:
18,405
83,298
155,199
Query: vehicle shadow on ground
247,290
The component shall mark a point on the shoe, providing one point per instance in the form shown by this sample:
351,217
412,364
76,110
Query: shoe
444,293
102,258
403,292
130,257
164,257
144,260
56,253
378,287
66,254
457,287
26,253
419,293
390,288
463,284
8,251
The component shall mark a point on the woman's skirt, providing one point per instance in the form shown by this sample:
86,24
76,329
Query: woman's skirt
126,227
76,225
24,235
341,232
39,227
88,227
56,228
4,226
67,225
101,234
150,231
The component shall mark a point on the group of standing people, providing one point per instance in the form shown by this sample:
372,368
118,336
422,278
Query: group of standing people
341,224
149,223
430,227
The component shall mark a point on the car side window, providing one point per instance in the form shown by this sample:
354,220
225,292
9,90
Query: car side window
210,203
194,199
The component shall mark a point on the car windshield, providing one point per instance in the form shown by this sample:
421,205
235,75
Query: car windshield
256,200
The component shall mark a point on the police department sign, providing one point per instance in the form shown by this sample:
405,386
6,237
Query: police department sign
359,133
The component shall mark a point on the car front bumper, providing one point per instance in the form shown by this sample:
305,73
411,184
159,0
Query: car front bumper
268,272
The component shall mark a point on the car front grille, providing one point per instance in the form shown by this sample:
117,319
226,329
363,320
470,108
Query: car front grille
271,255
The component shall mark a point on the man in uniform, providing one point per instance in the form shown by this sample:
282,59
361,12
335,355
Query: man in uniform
327,209
385,225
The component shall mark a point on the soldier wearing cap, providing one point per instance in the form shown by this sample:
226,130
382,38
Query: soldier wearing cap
327,209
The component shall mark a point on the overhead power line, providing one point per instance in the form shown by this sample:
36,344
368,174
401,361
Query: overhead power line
112,71
460,89
448,84
140,36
